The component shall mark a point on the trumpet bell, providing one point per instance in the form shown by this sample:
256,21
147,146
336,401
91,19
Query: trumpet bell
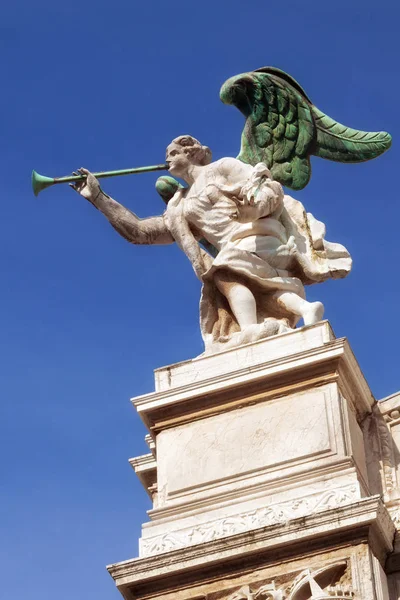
40,182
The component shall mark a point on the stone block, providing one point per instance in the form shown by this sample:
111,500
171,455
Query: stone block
267,468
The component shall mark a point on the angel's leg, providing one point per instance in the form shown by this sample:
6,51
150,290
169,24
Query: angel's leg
311,312
240,298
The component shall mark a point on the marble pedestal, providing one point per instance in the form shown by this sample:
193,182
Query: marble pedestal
267,478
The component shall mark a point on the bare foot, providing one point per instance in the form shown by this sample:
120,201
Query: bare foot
314,313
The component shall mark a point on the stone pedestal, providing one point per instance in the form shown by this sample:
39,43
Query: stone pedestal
269,477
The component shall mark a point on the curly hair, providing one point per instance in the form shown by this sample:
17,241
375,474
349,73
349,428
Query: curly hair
201,154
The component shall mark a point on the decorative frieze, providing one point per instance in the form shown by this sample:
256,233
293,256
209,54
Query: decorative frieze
262,517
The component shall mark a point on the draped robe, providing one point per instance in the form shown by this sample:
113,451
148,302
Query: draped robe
251,252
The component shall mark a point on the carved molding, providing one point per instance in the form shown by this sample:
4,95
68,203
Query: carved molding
266,591
326,583
393,415
255,519
385,440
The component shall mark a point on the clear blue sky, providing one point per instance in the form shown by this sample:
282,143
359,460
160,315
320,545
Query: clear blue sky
85,317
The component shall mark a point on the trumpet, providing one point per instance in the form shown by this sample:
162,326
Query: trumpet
41,182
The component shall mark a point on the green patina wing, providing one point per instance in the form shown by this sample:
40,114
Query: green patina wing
283,128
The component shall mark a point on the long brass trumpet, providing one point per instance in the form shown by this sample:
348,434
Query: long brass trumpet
41,182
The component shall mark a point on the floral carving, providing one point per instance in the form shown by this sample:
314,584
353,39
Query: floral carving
394,415
266,591
385,440
314,585
261,517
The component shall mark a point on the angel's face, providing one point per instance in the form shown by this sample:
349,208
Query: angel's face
178,159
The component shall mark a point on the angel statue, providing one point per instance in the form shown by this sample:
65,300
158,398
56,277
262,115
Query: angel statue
252,246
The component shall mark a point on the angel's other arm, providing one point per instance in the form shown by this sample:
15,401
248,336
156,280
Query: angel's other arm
152,230
268,198
255,194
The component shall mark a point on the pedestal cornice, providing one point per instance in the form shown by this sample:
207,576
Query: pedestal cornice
366,520
331,361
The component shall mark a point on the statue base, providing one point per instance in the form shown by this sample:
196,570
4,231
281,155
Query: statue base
267,477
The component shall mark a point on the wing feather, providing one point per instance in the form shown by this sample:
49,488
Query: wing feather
344,144
283,128
279,124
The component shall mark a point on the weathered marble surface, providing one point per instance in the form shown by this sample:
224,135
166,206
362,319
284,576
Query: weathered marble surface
384,429
342,549
269,466
251,356
263,246
253,437
329,496
242,442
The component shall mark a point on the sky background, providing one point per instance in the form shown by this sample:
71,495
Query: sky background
86,317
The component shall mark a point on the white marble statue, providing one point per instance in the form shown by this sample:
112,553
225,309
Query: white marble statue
268,246
252,247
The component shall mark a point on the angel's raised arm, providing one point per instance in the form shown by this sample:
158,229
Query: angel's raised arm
152,230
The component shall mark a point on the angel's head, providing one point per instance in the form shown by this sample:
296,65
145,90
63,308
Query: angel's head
185,151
